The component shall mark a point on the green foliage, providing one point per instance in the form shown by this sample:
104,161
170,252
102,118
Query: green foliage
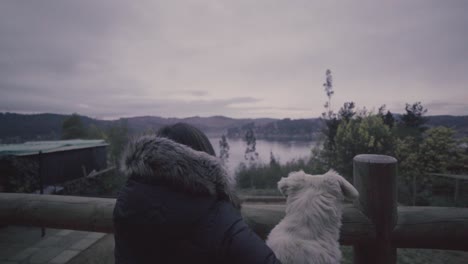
266,176
347,112
367,135
412,122
273,160
440,149
418,150
115,134
73,128
117,137
349,133
437,152
251,156
414,116
19,174
94,132
410,169
387,118
330,129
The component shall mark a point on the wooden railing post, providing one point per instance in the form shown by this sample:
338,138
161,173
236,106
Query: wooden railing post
375,179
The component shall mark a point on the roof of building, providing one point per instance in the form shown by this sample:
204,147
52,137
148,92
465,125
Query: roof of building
34,147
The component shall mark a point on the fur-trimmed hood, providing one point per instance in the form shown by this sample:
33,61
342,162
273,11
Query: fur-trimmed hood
157,160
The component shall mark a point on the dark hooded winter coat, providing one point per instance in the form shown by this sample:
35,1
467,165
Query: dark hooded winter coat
179,206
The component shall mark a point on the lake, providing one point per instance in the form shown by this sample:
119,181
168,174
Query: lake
284,151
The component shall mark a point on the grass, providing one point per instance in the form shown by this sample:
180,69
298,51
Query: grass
417,256
434,256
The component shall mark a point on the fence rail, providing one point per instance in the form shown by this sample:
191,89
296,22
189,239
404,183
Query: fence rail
374,225
457,178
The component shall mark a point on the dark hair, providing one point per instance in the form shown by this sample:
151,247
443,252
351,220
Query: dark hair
187,135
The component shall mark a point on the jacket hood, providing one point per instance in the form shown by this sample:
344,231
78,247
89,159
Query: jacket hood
156,160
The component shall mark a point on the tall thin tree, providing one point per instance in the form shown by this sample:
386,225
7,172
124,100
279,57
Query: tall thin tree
251,154
223,149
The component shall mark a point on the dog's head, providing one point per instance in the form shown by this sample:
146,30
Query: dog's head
329,184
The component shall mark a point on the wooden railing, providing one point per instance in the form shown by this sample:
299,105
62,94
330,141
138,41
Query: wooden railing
456,178
374,225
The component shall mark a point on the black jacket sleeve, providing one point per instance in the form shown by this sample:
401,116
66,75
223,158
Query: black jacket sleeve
234,241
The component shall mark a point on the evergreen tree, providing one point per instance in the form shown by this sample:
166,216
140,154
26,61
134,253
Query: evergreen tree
250,154
412,122
73,128
389,120
223,149
330,119
347,111
328,87
414,116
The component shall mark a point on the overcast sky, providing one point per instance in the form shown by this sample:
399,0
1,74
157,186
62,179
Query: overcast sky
262,58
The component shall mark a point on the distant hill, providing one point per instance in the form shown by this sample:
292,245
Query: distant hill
457,123
16,128
215,125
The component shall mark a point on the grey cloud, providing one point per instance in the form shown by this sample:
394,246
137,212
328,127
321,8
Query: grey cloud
236,58
185,108
126,106
196,93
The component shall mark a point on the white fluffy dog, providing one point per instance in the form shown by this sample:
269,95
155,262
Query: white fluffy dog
310,230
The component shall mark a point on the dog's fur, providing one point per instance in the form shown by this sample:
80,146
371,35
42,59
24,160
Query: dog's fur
309,232
154,159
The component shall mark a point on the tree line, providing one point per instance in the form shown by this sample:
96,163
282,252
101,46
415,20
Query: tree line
350,131
116,135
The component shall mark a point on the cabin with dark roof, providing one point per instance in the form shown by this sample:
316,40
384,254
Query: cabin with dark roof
36,165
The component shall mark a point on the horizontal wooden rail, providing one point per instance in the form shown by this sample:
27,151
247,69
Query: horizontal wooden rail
417,227
263,199
451,176
95,214
263,217
57,211
456,177
431,227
